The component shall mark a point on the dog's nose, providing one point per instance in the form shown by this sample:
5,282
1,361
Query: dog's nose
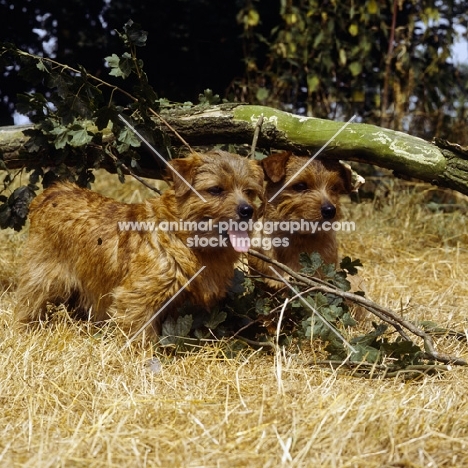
328,211
245,211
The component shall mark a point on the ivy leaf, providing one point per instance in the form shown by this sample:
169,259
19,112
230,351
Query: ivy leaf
350,265
112,61
120,66
61,136
37,140
14,211
340,281
310,263
404,351
35,175
371,337
173,330
62,83
208,98
318,301
104,115
135,35
260,306
80,136
127,138
215,318
365,353
27,103
347,320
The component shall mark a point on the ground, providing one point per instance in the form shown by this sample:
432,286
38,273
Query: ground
74,397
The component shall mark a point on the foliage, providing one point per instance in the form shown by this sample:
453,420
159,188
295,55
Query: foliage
327,59
77,125
390,62
192,44
251,313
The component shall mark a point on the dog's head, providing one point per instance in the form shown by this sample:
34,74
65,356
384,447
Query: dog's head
298,188
218,186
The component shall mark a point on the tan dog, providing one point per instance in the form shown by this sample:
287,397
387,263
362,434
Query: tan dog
77,252
312,196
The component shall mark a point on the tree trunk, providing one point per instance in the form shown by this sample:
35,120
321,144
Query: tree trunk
442,163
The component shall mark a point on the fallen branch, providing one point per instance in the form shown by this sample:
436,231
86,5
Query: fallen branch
383,313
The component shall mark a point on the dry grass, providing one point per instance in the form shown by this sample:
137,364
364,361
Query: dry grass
71,397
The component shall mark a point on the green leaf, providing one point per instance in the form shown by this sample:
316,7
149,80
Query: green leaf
215,319
340,281
112,60
365,353
318,300
350,265
313,82
347,320
104,115
120,66
135,34
353,29
310,263
40,65
208,98
342,57
80,136
318,39
404,351
127,138
173,329
14,211
237,285
372,7
371,337
262,94
260,306
61,136
355,68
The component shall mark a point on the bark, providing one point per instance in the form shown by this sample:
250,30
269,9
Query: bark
440,163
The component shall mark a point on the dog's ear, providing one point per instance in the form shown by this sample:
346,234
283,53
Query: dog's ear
182,172
274,166
352,180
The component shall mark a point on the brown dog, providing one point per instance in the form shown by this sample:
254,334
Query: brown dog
81,250
312,196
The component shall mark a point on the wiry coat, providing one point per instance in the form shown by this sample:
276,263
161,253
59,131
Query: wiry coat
76,252
313,195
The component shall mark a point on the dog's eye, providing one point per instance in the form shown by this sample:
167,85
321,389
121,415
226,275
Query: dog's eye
215,190
249,192
300,187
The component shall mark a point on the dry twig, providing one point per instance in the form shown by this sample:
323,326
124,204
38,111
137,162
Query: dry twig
384,313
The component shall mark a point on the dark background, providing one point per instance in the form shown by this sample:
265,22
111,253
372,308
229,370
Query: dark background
192,44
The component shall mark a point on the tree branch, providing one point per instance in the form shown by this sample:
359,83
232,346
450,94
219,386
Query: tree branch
440,164
383,313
